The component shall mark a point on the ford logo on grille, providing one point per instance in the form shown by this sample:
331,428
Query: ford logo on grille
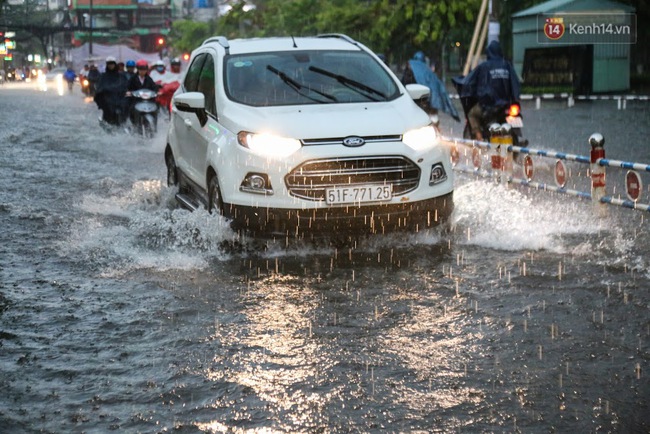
353,141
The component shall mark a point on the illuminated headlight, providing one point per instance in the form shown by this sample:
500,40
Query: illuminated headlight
421,138
438,174
268,144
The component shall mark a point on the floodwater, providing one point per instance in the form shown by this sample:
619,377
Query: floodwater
120,312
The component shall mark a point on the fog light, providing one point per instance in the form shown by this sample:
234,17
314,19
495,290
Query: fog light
256,183
438,174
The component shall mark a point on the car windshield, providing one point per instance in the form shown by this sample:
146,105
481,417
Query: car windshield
307,77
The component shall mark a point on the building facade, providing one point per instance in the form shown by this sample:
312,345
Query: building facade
581,46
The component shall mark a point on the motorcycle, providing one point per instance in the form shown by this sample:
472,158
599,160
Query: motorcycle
85,85
507,114
144,112
111,119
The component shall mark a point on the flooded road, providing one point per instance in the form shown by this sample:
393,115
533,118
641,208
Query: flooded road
120,312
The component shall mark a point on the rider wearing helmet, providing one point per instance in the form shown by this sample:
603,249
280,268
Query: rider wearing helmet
174,73
175,65
141,80
109,93
130,69
158,72
170,82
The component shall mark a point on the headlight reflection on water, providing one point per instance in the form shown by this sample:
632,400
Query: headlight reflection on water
282,362
436,345
307,356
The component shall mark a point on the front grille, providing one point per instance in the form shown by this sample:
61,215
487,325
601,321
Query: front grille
311,179
339,140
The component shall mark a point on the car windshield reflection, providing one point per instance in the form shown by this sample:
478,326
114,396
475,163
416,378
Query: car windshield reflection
298,78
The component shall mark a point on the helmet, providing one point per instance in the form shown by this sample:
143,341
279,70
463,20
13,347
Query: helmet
142,64
159,63
110,59
175,61
130,63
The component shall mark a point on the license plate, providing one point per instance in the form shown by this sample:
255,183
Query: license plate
358,194
515,121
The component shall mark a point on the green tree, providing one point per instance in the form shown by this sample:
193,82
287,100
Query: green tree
186,35
396,28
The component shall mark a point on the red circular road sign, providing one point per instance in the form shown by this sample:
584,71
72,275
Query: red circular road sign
634,185
476,158
529,170
560,174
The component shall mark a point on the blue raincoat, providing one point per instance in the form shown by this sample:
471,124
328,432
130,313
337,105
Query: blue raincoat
423,75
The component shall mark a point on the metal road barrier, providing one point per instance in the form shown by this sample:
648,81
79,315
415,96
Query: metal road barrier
576,175
621,100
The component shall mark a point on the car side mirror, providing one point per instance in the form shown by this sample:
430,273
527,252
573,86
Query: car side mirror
418,91
420,94
192,102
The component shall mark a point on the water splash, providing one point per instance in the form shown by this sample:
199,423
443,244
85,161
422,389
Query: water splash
492,216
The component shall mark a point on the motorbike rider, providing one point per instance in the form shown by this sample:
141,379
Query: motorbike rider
158,72
110,93
170,82
174,73
493,84
92,77
69,75
141,80
417,71
129,70
82,76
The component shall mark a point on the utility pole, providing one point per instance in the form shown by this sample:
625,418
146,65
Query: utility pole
481,22
90,32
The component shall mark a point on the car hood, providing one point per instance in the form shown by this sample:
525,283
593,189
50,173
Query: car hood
328,120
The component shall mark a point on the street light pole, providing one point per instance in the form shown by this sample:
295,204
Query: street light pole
90,33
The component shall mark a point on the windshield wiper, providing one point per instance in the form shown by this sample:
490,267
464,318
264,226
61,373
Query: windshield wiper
297,86
349,83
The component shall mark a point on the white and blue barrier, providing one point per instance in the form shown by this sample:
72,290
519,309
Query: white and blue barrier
576,175
621,100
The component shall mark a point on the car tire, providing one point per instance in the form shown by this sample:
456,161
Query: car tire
172,170
215,201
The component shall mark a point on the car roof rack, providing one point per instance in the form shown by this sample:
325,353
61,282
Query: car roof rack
221,40
340,36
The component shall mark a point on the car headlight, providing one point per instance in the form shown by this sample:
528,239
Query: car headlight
421,138
268,144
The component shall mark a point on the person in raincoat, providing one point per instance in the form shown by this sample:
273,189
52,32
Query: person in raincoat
69,75
417,71
492,85
110,93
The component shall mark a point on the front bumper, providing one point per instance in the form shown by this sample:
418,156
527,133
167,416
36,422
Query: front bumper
342,221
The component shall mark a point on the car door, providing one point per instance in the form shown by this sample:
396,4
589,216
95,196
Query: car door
207,133
183,120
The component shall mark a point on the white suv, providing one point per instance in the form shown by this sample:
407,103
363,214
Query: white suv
290,136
